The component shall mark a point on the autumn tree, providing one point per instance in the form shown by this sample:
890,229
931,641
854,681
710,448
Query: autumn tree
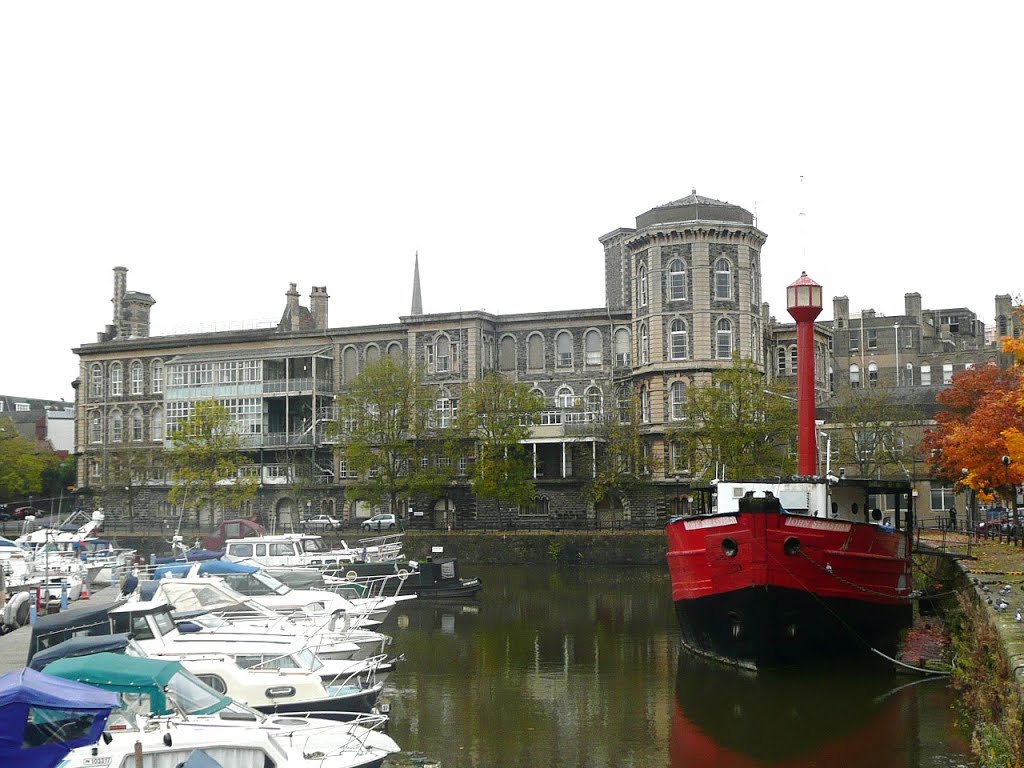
738,424
387,434
868,438
981,421
204,462
495,414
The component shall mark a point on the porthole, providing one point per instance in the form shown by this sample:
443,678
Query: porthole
791,546
730,547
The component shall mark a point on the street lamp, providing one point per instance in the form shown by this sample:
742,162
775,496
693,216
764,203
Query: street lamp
970,501
1010,489
804,304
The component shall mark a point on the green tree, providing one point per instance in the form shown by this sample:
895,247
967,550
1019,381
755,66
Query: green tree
385,430
21,464
737,426
867,433
127,469
623,464
204,462
495,413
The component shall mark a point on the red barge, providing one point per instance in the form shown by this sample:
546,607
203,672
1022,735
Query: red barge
776,572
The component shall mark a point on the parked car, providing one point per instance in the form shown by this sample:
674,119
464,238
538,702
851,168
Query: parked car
321,523
386,522
22,512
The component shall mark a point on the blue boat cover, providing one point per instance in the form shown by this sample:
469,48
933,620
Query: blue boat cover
199,759
192,556
206,568
42,718
80,646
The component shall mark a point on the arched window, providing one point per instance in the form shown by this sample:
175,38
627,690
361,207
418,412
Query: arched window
96,381
535,352
641,279
872,375
854,376
723,279
592,346
565,398
116,426
676,280
116,380
680,343
780,361
443,354
563,346
349,365
372,353
136,378
678,400
755,281
723,339
645,350
395,350
793,359
755,342
156,424
926,375
595,400
645,404
507,353
95,427
622,343
136,421
156,377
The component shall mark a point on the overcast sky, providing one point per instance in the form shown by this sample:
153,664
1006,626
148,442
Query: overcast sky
223,150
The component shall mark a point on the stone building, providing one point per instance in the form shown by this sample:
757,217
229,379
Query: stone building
683,297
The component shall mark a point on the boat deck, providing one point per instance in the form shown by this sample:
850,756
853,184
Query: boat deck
14,645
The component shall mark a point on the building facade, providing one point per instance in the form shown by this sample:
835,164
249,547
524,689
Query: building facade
683,300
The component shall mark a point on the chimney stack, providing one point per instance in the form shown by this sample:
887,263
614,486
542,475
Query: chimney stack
318,306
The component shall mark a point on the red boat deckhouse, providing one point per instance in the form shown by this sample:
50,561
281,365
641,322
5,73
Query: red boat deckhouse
773,572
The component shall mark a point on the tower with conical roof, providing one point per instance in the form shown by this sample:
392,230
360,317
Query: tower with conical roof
417,300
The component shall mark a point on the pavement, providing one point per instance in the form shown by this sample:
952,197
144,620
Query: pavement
14,645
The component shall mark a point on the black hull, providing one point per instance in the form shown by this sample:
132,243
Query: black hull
342,708
459,588
763,627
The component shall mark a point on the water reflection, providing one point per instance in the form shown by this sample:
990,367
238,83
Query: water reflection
582,668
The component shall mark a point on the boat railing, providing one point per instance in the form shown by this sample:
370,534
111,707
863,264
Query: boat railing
363,676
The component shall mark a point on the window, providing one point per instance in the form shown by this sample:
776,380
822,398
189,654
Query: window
372,353
156,424
136,421
535,352
116,426
678,400
947,373
564,397
794,360
116,380
136,378
926,375
943,497
395,351
676,280
592,347
447,410
854,376
953,321
622,343
595,400
156,375
507,353
723,339
443,358
563,346
680,341
872,338
95,427
645,350
645,405
872,375
624,406
641,279
723,279
349,365
96,381
781,360
21,407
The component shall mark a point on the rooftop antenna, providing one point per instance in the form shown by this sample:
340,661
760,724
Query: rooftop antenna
803,221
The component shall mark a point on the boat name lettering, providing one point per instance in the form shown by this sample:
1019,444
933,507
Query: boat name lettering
820,525
709,522
96,761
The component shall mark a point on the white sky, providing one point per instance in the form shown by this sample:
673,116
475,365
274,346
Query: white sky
221,150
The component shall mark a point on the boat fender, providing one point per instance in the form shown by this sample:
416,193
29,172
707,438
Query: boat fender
351,575
403,574
16,612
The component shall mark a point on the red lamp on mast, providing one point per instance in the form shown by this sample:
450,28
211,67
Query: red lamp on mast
803,301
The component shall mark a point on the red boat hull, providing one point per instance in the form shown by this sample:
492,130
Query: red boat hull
765,588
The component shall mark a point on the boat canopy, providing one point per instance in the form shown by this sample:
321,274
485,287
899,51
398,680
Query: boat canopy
42,718
90,619
80,646
168,685
206,568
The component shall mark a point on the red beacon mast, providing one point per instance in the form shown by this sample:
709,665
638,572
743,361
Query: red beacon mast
803,300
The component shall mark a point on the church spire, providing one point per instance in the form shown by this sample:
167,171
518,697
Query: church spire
417,301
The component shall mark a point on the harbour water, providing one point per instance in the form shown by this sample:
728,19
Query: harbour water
582,667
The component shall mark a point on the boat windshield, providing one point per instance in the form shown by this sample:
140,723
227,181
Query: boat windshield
276,586
193,697
309,660
163,622
256,584
313,545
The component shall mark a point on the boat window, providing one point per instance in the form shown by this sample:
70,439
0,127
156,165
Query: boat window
55,726
275,585
141,629
313,545
241,550
281,549
309,660
261,550
135,704
257,661
192,696
164,623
